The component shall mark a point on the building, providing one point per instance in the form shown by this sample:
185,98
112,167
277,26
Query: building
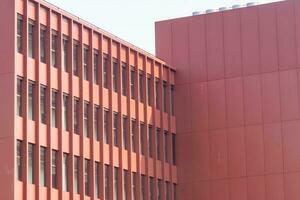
84,115
237,101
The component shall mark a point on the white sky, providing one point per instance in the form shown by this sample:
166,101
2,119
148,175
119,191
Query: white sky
133,20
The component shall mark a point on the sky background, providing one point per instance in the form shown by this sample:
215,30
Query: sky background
133,20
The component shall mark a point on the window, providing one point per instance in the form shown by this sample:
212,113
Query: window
31,100
65,172
65,111
54,108
149,96
167,191
105,126
125,185
31,163
158,156
43,166
143,187
174,149
157,93
124,79
105,70
115,75
141,86
134,186
115,129
166,146
125,128
86,177
31,38
19,160
43,30
132,83
150,141
142,138
96,122
43,104
172,100
133,135
76,174
85,62
65,53
106,182
165,96
159,190
19,96
96,67
75,57
53,48
54,169
174,191
97,180
76,115
86,119
19,33
116,183
151,189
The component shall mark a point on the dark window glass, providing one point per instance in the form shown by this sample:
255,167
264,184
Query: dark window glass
125,128
167,191
65,53
19,160
96,67
19,96
43,30
54,108
115,75
174,191
86,177
150,141
124,79
31,170
97,180
66,111
141,87
115,129
43,166
174,149
54,169
151,189
172,100
166,146
19,33
76,174
31,100
159,190
65,172
132,83
86,119
143,187
106,182
76,115
133,136
165,96
157,93
43,104
31,38
105,126
116,183
75,57
149,96
158,155
105,70
125,185
85,63
134,186
54,48
142,138
96,122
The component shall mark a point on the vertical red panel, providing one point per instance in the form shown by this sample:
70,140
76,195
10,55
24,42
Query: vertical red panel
163,40
252,100
268,38
273,148
286,35
215,47
291,145
274,187
254,150
236,152
270,97
202,190
180,49
297,15
182,97
250,40
216,104
232,43
219,190
197,44
218,154
256,188
238,189
234,102
199,103
201,156
289,95
291,186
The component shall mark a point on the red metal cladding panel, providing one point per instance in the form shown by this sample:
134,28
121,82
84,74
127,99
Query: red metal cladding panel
297,16
202,190
256,188
274,187
232,43
202,156
197,49
219,190
291,186
238,189
163,37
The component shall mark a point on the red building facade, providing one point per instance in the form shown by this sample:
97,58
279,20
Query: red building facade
237,101
84,115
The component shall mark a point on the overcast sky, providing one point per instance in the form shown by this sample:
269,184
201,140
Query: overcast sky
133,20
